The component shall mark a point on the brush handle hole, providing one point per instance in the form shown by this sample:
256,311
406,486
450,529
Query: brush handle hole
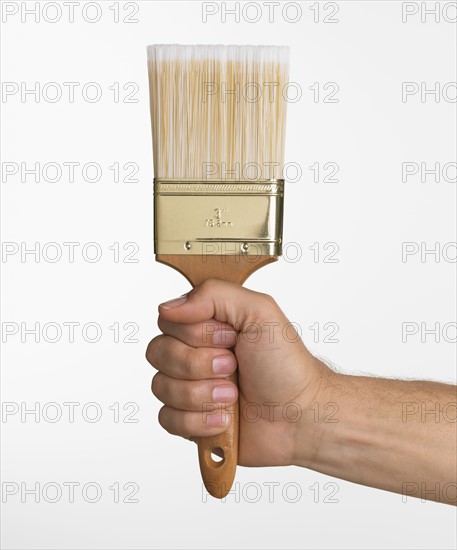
215,457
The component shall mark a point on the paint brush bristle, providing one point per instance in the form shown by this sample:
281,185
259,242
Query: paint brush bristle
218,112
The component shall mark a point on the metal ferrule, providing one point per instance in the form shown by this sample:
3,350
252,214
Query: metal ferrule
218,217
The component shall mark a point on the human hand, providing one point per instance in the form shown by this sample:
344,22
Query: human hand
207,334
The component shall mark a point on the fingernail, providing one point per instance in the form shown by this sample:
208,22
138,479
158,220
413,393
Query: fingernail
224,394
174,303
223,364
224,338
217,419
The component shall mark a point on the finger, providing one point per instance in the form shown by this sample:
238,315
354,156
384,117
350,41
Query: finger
217,299
206,334
193,424
192,395
178,360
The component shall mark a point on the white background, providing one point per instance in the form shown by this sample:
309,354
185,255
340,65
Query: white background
369,292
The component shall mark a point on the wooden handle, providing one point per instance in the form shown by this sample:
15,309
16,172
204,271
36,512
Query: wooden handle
218,476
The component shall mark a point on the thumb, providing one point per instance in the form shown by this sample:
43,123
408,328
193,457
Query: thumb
222,301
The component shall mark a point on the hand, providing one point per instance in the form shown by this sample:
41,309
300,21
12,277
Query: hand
207,334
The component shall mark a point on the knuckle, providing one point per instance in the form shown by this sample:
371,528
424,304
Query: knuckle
268,299
152,350
196,363
190,362
161,323
165,326
265,307
192,393
186,427
163,417
209,286
155,384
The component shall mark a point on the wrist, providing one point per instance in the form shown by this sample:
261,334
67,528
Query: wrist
319,407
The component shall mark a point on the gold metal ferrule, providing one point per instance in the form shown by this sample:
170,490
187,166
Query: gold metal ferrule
211,217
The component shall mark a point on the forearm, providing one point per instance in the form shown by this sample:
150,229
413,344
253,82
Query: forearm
391,434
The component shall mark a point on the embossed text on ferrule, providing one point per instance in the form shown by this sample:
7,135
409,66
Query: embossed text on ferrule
217,221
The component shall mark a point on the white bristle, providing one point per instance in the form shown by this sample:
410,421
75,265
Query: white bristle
218,112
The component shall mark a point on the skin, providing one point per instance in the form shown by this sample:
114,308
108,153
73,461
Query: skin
371,431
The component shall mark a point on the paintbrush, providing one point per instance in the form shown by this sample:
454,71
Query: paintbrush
218,122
